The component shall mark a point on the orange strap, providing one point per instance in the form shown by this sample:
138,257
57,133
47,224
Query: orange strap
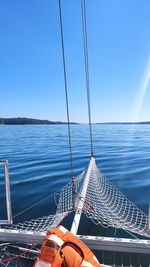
62,248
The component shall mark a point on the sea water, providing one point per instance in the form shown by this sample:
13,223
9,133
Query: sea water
39,162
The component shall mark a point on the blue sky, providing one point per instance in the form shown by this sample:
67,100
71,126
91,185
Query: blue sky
31,73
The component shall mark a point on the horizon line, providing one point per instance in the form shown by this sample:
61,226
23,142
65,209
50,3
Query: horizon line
72,122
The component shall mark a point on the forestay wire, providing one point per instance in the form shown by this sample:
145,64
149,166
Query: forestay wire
86,63
103,202
65,84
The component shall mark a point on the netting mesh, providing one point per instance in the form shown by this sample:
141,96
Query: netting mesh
103,203
63,201
39,224
107,206
12,256
65,196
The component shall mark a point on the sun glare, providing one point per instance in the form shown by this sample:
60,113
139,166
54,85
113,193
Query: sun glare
142,92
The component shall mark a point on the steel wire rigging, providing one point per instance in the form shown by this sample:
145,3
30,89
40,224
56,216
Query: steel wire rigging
86,65
65,85
104,204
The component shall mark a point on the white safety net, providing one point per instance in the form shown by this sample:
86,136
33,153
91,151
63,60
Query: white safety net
107,206
12,255
42,224
103,203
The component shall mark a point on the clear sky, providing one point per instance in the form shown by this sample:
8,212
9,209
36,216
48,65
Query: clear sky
31,73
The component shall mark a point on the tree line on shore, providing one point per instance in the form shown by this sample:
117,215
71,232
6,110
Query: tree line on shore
11,121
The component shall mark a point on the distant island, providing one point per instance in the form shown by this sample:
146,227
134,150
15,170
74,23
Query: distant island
23,121
26,121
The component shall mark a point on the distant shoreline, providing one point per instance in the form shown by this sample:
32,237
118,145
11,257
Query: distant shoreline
140,122
29,121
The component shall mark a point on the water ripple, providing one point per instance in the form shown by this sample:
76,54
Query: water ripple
39,159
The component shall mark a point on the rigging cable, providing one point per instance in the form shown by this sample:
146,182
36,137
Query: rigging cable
65,83
86,63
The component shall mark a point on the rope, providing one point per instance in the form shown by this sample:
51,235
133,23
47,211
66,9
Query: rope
86,63
42,200
20,255
34,246
34,205
65,84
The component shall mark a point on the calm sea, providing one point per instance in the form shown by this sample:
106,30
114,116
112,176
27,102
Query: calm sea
39,162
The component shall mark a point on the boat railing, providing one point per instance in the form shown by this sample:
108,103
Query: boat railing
8,220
